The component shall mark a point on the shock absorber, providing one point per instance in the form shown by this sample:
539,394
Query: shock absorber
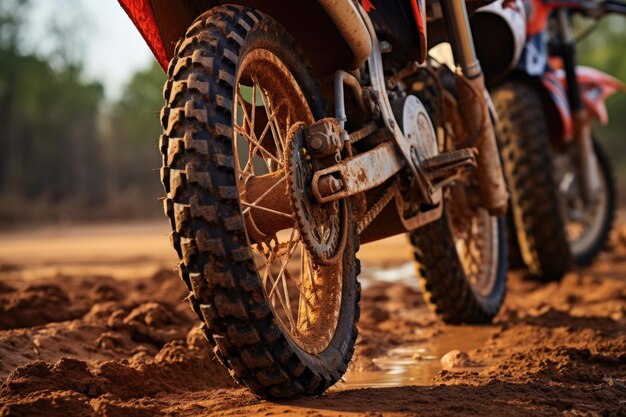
588,165
474,102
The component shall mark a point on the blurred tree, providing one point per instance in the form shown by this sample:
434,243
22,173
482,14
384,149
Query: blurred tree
134,131
49,142
12,13
50,138
64,152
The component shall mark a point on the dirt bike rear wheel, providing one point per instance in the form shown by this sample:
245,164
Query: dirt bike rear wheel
529,171
281,324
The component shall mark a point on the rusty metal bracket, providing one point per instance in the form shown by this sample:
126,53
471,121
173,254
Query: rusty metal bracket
357,174
379,88
421,218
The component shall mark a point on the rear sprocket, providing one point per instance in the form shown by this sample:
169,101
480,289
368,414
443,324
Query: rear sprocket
322,226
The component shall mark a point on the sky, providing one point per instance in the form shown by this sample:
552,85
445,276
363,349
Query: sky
108,43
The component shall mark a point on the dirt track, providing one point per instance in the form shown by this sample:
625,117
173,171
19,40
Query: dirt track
92,323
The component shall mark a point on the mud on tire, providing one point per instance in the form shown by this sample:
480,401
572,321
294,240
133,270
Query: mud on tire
203,206
525,153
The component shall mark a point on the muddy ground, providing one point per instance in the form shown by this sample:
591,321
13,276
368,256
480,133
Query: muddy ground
93,322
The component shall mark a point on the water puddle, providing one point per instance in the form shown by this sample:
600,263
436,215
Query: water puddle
417,364
412,364
403,274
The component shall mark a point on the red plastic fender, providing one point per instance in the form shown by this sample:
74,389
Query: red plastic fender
540,11
419,12
596,86
142,15
537,17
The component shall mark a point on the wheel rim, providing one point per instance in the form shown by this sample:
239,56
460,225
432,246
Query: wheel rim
583,222
305,298
475,234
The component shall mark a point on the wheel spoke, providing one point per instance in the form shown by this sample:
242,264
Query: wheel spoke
269,190
284,303
269,210
305,294
236,141
267,274
301,312
253,102
268,262
292,322
257,145
307,268
290,250
281,277
272,121
242,103
286,126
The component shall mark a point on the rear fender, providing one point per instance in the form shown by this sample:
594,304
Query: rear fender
419,13
334,27
142,16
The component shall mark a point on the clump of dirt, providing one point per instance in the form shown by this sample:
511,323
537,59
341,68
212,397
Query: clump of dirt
94,317
560,347
458,359
178,368
102,349
5,288
35,305
149,323
61,298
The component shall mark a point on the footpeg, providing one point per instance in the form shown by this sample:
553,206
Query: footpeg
449,166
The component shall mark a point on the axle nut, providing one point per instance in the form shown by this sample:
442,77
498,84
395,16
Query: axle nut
329,185
317,143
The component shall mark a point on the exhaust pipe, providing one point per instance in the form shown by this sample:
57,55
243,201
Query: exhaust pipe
499,31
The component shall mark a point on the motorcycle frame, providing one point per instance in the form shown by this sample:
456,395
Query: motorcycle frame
354,42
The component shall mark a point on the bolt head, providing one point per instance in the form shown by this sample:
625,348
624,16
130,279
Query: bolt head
316,143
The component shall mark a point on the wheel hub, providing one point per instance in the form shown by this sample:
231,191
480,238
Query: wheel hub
476,239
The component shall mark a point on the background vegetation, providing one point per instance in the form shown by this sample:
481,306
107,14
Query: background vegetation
67,154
